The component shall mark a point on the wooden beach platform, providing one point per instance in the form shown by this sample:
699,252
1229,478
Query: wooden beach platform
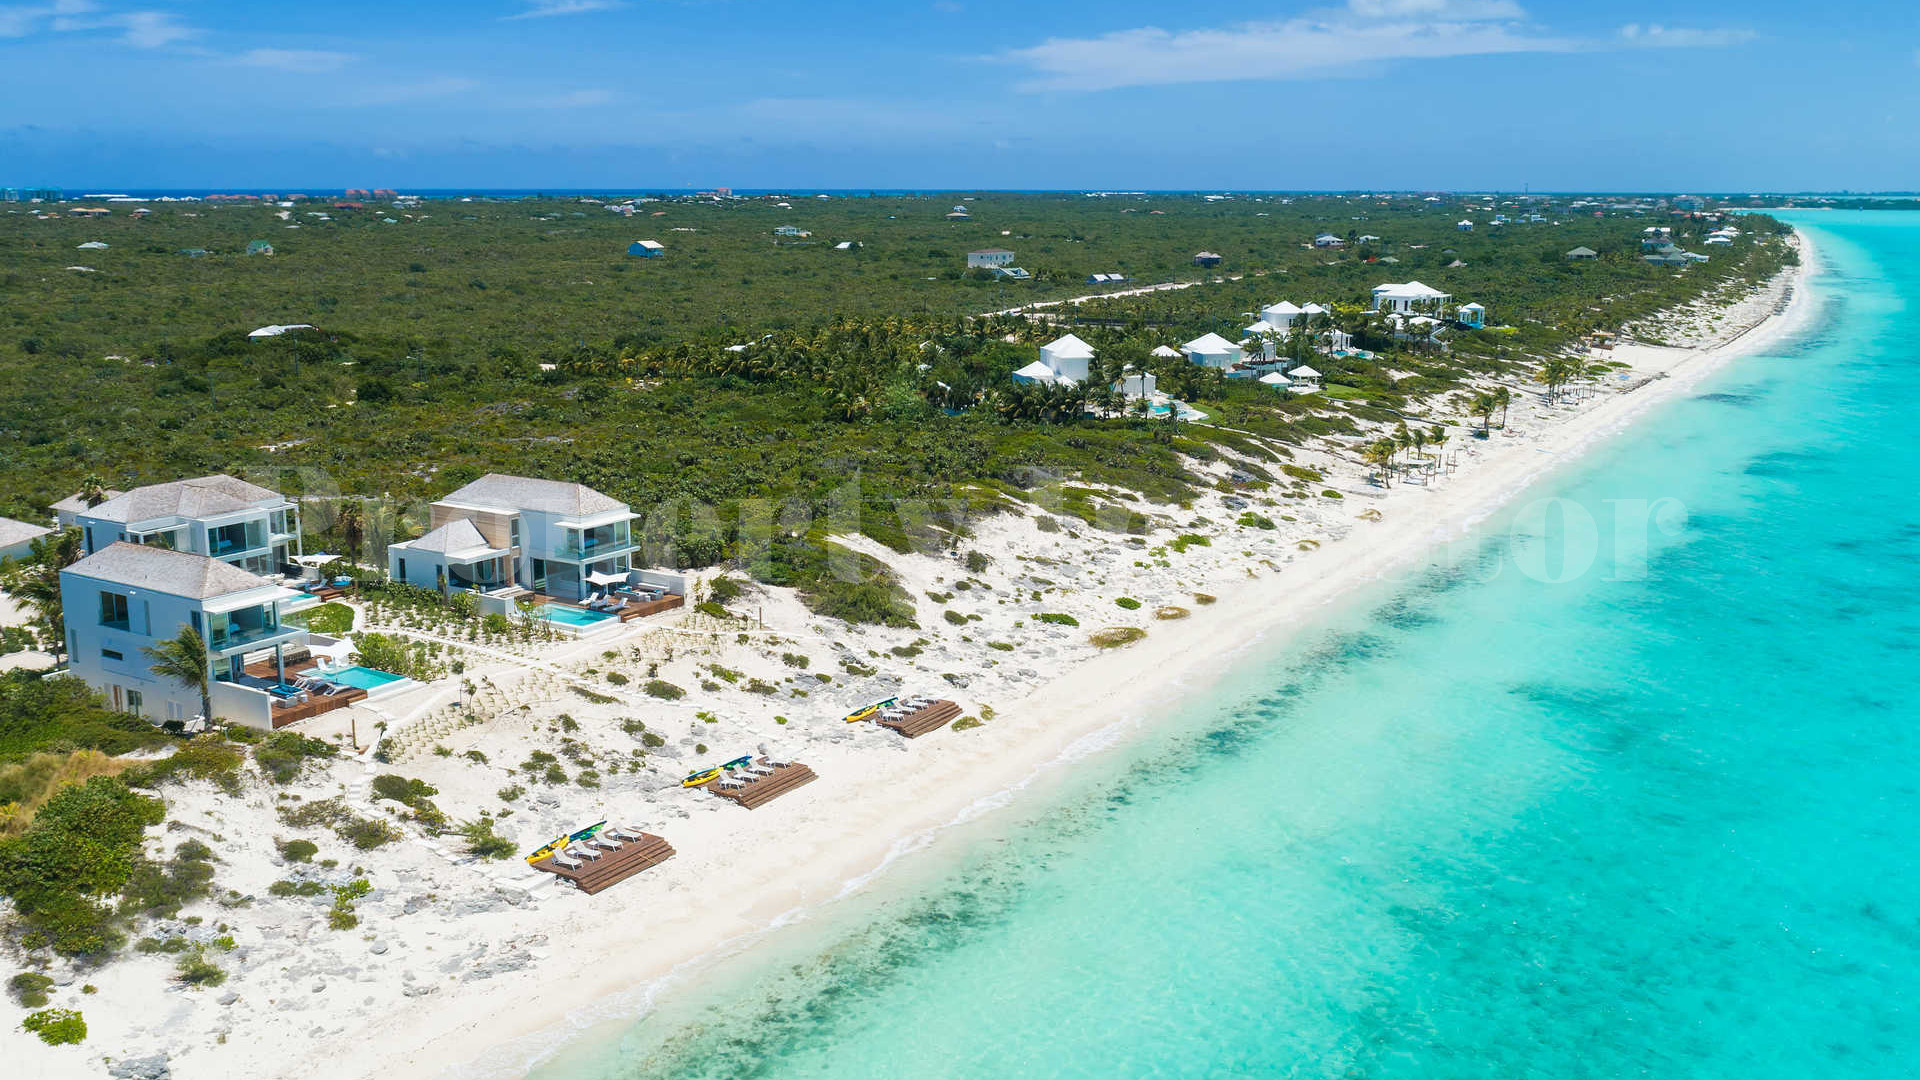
612,867
755,793
931,718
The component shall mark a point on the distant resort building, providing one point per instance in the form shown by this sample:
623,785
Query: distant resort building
259,247
791,230
989,258
1063,361
1582,253
1472,316
1213,351
1328,240
1206,258
17,537
1106,279
646,249
274,330
1409,297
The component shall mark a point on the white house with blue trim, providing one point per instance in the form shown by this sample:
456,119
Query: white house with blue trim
127,597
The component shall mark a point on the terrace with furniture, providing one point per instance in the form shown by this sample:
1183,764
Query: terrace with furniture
613,855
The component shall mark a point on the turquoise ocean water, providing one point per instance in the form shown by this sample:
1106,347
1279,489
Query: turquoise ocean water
1488,823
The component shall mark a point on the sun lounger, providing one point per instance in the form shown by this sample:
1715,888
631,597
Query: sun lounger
579,851
624,832
562,858
608,842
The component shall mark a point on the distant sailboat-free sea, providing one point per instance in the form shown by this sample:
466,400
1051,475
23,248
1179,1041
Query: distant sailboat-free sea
1655,820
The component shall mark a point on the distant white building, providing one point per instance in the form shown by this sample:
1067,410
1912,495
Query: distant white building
1067,356
989,258
219,516
791,230
275,330
1407,298
1137,384
1213,351
1306,380
1471,315
17,537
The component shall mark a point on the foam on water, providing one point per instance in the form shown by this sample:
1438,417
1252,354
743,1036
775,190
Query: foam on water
1628,824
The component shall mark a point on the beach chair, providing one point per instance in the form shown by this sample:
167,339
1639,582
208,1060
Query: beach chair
608,842
561,858
624,832
579,852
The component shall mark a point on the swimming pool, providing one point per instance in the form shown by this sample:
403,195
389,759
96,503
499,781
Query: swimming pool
366,678
572,616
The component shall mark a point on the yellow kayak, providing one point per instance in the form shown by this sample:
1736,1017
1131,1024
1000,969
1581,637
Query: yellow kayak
704,776
869,711
549,849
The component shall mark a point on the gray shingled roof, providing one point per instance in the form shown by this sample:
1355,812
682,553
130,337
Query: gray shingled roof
176,573
19,532
77,503
499,491
202,496
451,539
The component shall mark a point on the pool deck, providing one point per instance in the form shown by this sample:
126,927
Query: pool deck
629,611
308,709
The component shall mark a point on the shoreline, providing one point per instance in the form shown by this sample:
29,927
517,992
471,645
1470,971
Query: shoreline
1092,704
740,877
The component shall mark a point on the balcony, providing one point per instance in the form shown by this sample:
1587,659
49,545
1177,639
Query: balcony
592,549
247,637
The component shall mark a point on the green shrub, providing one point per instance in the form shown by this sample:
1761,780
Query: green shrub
965,723
796,660
29,988
1186,540
905,652
367,834
83,844
299,851
403,790
1251,520
1003,646
1115,636
1203,598
977,562
616,678
197,971
761,686
330,618
954,617
1129,603
1331,494
57,1027
1056,618
207,757
1171,612
663,690
162,889
283,754
285,887
483,841
724,589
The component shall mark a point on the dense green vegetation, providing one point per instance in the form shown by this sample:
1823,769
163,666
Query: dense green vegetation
518,336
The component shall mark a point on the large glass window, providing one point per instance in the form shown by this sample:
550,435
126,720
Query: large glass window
113,610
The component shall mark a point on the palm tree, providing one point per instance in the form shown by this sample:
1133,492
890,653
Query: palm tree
35,582
352,523
93,490
183,658
1379,454
1502,397
1482,406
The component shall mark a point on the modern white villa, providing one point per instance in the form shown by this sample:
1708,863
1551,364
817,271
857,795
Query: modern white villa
502,534
1213,351
218,516
126,597
1062,361
1409,298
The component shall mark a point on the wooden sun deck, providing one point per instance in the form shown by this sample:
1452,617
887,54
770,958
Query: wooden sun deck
315,705
611,867
629,611
931,718
755,793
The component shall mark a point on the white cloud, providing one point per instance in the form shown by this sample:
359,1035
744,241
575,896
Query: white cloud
139,29
544,9
1296,48
304,61
1656,36
1454,10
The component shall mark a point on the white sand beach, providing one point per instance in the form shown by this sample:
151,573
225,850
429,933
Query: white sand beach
461,967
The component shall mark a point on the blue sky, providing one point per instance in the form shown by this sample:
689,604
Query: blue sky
961,93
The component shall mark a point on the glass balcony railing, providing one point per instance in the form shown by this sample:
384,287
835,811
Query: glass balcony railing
241,637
